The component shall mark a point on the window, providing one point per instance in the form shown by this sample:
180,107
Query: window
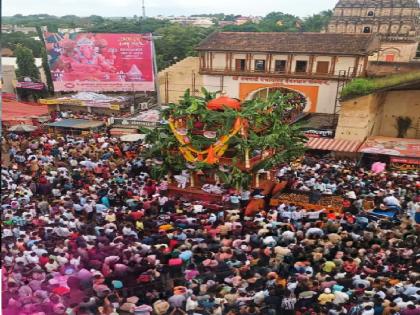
370,13
240,64
322,67
301,66
389,57
280,66
259,65
366,29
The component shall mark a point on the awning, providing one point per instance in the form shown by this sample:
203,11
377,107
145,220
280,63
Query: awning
16,112
338,145
77,124
122,131
392,146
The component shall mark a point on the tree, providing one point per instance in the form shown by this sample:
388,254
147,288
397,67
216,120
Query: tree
177,41
316,22
26,64
246,27
45,64
265,130
13,39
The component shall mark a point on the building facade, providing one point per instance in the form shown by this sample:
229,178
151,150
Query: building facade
311,65
397,22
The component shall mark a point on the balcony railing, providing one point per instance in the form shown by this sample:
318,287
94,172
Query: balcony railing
272,73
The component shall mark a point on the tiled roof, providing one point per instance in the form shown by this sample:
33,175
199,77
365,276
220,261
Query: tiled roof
325,43
378,4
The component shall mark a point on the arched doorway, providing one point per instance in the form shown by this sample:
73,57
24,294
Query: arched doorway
295,98
299,103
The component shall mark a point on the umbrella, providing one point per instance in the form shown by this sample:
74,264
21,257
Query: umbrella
23,128
133,137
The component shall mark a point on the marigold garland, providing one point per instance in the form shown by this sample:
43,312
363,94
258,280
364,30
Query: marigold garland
213,153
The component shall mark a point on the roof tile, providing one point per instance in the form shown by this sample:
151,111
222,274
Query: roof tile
325,43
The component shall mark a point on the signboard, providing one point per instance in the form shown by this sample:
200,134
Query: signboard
405,164
319,133
134,122
392,146
100,62
405,161
280,80
114,106
30,85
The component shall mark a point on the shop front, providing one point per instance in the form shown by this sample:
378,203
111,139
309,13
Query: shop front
90,103
397,153
77,127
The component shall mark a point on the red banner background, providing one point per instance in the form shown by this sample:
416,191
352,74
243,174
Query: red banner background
100,62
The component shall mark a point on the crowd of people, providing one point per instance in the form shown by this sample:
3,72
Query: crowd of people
85,230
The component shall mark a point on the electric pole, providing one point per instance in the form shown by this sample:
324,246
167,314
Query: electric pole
143,8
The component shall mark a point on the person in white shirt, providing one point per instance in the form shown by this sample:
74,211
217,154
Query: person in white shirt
340,297
391,201
32,258
51,265
313,215
62,259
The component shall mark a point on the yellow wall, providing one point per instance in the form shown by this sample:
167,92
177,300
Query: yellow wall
400,103
179,78
403,52
375,115
359,117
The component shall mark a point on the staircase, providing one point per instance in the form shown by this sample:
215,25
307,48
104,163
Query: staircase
189,61
175,79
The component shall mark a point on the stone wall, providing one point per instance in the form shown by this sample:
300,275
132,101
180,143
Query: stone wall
396,52
383,68
375,115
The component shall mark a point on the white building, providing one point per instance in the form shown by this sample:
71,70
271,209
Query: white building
246,65
9,67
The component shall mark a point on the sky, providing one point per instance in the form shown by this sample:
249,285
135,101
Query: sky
128,8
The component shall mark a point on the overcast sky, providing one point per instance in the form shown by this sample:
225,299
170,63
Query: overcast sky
163,7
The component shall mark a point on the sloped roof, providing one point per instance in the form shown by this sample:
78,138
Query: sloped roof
76,123
378,4
308,43
13,110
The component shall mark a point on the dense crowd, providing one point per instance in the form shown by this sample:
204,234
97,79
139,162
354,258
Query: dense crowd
85,230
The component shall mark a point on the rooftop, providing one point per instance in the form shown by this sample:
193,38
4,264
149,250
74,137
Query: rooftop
377,4
308,43
360,87
77,123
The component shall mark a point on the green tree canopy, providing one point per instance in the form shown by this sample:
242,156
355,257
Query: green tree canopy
316,22
18,38
26,64
175,42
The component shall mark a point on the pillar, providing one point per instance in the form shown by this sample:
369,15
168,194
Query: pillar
192,178
247,162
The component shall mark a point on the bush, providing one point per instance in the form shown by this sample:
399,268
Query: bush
364,86
358,87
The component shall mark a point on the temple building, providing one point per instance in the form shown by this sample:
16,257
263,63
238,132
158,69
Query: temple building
313,66
397,22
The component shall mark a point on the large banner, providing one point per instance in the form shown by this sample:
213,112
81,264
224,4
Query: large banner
100,62
398,147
